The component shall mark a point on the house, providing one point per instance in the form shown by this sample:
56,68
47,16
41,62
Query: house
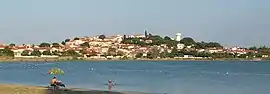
124,51
190,46
18,50
100,43
136,36
75,42
103,50
2,46
180,46
42,49
56,49
143,48
144,55
215,50
148,41
265,56
139,36
128,46
115,39
188,56
78,42
200,50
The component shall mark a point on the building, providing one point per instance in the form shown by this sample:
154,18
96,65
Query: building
2,46
178,36
180,46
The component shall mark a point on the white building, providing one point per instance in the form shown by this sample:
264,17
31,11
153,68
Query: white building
180,46
178,36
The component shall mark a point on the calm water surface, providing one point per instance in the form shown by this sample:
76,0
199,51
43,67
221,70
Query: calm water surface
171,77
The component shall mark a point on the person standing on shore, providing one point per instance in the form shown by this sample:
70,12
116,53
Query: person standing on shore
110,84
53,83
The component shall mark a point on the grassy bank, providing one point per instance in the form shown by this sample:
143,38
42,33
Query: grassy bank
22,89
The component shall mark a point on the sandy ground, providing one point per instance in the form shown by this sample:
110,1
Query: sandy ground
21,89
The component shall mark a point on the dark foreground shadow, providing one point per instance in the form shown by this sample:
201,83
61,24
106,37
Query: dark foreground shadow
21,89
77,91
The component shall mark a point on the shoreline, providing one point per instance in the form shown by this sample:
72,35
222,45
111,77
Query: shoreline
26,89
63,59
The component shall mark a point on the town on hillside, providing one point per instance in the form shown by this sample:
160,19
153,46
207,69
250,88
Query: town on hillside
139,46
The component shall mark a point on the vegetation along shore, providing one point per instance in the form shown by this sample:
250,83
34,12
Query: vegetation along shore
129,47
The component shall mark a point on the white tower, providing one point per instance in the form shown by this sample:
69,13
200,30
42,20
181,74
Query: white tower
178,36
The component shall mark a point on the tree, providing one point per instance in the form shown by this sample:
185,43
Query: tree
71,53
258,55
139,55
124,37
63,43
263,48
145,34
153,53
136,41
242,56
55,45
187,41
85,44
33,45
167,38
200,45
251,55
12,45
120,53
67,40
55,53
6,52
93,53
174,52
156,40
223,55
202,54
76,38
102,37
25,53
112,51
213,44
253,48
47,52
149,35
170,42
36,53
164,54
44,44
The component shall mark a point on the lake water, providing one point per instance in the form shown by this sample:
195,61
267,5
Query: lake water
171,77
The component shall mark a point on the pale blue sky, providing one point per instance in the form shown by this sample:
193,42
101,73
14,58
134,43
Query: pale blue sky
230,22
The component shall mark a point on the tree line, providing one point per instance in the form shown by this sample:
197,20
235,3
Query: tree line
158,40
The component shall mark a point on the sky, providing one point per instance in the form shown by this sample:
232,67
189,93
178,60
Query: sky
229,22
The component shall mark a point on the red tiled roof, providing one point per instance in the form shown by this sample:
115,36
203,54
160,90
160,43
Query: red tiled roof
249,51
104,41
2,46
84,39
23,47
14,49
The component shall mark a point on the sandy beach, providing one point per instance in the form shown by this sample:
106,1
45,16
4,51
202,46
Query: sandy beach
22,89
